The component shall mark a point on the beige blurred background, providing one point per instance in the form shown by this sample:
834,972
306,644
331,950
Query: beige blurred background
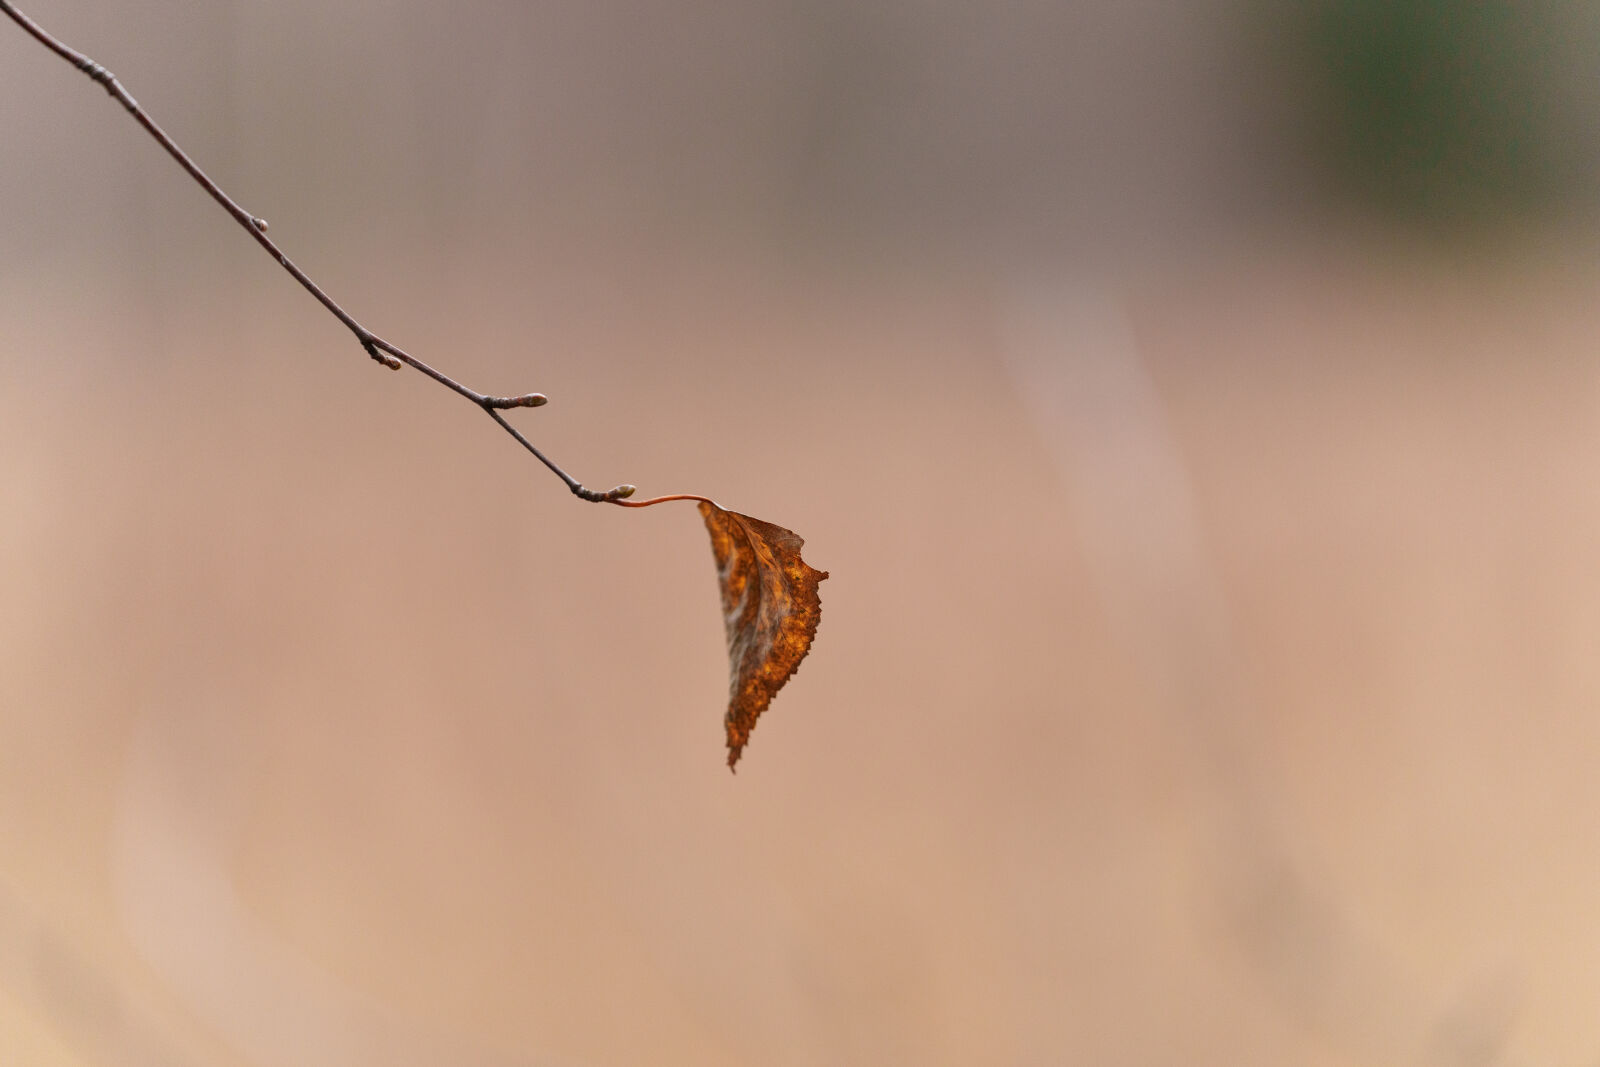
1195,405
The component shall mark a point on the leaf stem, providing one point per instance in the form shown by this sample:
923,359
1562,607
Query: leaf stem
663,499
390,355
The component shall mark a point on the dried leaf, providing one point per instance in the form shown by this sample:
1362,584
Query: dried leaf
771,609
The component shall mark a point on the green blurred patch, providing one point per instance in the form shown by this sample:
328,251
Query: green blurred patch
1439,111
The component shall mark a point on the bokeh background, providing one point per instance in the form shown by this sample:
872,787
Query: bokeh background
1195,404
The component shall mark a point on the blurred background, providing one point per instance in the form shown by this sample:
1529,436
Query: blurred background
1195,405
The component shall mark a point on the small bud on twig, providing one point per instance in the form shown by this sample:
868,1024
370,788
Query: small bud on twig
526,400
381,356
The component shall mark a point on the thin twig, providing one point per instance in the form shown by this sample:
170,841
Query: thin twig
390,355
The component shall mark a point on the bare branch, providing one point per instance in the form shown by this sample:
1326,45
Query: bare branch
390,355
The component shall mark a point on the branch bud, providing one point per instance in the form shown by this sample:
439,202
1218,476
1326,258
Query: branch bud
380,355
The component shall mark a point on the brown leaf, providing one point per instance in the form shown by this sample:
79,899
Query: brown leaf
771,609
